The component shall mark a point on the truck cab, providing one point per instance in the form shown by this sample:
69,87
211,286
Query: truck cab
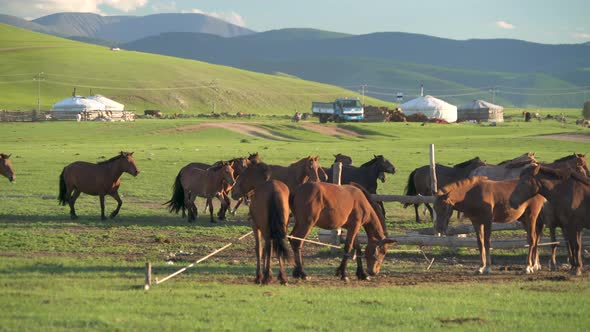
342,109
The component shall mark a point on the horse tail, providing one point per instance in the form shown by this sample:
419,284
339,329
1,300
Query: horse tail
411,187
177,201
278,231
63,200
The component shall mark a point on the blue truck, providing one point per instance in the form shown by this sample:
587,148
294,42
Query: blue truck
340,110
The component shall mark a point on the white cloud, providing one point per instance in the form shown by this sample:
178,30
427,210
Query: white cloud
231,17
582,35
505,25
36,8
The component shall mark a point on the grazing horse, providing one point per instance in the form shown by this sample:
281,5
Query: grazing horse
297,173
103,178
506,170
573,162
6,167
484,202
330,206
269,212
568,192
419,179
194,182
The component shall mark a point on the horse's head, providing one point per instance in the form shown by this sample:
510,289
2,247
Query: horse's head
227,172
384,166
582,164
129,165
344,159
254,158
240,165
527,187
375,254
252,176
6,167
443,206
311,167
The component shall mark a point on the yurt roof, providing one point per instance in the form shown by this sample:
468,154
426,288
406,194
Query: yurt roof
109,103
431,107
78,103
480,104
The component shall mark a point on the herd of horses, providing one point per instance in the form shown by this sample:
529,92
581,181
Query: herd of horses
538,194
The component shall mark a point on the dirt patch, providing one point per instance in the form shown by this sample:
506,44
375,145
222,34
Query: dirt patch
240,128
462,320
330,130
568,137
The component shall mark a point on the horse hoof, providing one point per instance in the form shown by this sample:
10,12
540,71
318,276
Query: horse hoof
73,217
345,279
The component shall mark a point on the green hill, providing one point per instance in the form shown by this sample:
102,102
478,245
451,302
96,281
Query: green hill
142,81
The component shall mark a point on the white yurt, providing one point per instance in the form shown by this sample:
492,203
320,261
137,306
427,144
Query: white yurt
110,105
69,108
433,108
480,110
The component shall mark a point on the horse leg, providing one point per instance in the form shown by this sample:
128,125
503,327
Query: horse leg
417,213
479,233
72,201
572,239
225,205
282,272
579,266
429,210
487,234
348,246
297,245
257,235
267,261
193,212
553,262
115,195
360,273
233,212
102,216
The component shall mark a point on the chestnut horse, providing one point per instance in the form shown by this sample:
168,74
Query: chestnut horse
6,167
419,180
269,212
103,178
297,173
573,162
568,192
484,202
193,182
330,206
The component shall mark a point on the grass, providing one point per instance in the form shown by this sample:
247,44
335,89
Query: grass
143,81
57,274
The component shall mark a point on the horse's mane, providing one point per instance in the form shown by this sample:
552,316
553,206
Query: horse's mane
566,158
373,161
373,204
301,161
467,163
4,156
516,162
467,182
563,174
117,157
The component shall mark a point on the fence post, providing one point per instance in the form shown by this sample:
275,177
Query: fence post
335,234
433,182
148,275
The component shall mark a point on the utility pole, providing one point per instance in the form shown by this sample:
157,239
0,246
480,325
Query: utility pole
216,91
363,90
39,78
493,92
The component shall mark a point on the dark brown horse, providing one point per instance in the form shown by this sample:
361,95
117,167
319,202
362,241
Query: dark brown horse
419,180
548,217
568,192
506,170
254,158
194,182
6,167
269,212
330,206
342,158
297,173
103,178
484,202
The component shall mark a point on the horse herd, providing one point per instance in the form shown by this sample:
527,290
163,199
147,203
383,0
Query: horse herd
554,195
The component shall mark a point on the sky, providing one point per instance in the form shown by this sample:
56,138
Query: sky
541,21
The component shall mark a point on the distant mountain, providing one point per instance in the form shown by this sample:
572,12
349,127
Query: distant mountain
122,29
400,61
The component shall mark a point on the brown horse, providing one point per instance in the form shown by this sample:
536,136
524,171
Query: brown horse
194,182
103,178
254,158
299,172
484,202
548,217
568,192
6,167
330,206
506,170
269,212
419,179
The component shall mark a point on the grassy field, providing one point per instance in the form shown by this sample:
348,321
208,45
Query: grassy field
57,274
143,81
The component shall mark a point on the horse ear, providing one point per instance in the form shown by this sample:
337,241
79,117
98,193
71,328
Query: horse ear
7,156
131,153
